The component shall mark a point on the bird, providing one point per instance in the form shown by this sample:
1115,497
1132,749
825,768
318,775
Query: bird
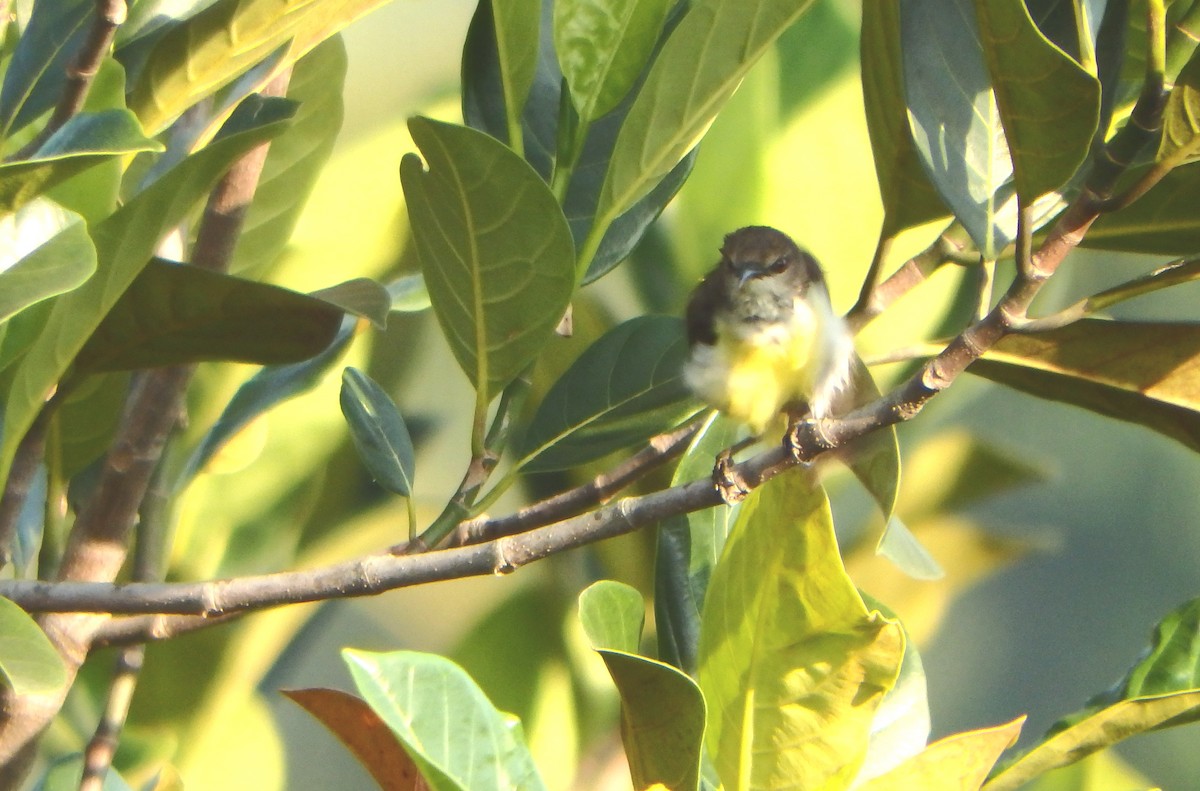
764,340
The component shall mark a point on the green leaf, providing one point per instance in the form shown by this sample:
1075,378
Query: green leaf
494,247
295,159
958,761
1049,105
408,294
195,58
86,421
61,263
908,197
602,47
378,431
361,296
174,314
662,710
28,662
695,73
1138,372
517,33
64,775
905,550
689,546
792,664
447,725
613,615
87,140
875,458
1181,119
361,730
1163,221
266,389
124,244
625,388
38,71
1173,274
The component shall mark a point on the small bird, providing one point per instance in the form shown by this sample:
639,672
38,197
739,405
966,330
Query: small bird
764,338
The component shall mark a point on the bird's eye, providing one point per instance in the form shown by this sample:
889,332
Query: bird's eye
778,265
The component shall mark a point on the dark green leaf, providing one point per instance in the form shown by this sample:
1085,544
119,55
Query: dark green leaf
378,431
267,388
662,710
124,244
1173,662
495,250
86,421
602,47
689,546
56,266
1138,372
38,70
87,140
694,74
1181,118
29,664
295,159
361,296
1049,105
908,197
174,314
626,387
1163,221
451,730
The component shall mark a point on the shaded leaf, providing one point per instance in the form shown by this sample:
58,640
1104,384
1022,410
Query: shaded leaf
517,33
959,761
58,265
792,664
408,294
174,314
28,662
875,458
195,58
264,390
602,47
1138,372
295,159
662,710
1049,105
1173,274
86,140
1163,221
1181,119
908,197
378,431
449,728
361,296
86,421
38,71
64,775
351,720
626,387
694,74
689,546
899,545
124,244
495,250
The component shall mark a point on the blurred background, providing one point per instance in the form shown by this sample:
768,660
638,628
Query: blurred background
1053,585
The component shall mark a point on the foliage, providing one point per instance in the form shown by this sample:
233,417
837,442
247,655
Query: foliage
515,279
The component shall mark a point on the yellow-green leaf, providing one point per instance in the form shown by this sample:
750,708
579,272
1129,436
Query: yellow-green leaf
1181,118
956,763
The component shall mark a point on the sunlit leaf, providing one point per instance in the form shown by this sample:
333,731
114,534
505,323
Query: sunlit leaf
210,49
689,546
695,73
355,725
495,250
662,710
361,296
37,73
60,264
124,244
602,46
956,762
792,664
1181,119
173,314
627,387
29,664
378,431
449,728
87,140
1049,105
517,34
908,197
295,159
1138,372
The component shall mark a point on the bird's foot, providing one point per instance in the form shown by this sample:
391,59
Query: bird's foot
805,440
729,483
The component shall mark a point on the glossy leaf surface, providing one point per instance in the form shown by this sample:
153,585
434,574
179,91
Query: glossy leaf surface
58,265
378,431
37,73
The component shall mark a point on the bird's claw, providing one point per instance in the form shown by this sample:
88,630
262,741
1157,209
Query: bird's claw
804,441
728,482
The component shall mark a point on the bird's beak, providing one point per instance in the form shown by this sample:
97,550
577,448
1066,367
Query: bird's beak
747,274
